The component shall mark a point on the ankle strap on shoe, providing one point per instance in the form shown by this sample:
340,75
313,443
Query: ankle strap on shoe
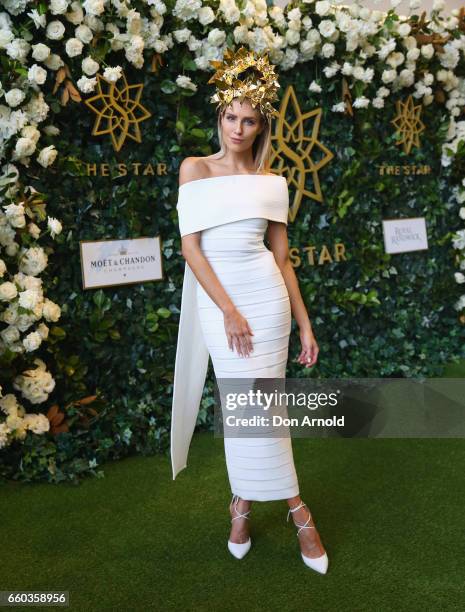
301,505
235,499
306,524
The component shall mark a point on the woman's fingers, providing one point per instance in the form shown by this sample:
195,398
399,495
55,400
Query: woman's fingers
243,344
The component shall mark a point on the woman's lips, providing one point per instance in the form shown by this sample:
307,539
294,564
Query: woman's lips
236,139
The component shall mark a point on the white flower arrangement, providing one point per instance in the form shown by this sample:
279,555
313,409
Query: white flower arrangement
24,310
456,138
35,385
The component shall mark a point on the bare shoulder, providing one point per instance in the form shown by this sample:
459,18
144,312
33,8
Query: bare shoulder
192,169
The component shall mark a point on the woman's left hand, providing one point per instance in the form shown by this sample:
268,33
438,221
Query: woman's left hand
310,349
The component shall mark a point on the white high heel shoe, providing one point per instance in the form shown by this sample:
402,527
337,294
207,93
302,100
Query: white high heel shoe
320,564
239,550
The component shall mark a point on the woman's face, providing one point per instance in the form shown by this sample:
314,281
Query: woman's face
241,123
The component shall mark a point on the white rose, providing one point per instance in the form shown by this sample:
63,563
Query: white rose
6,36
18,49
8,291
427,51
15,423
15,215
10,334
328,50
37,423
216,37
89,66
182,35
73,47
58,7
47,156
84,34
86,85
205,15
112,74
388,76
30,131
9,404
94,7
10,316
34,230
294,14
2,268
51,130
54,61
33,261
76,15
406,77
24,147
43,330
28,299
54,226
12,249
395,59
40,52
292,37
194,44
322,7
404,29
327,27
14,97
32,341
55,30
51,311
37,74
185,82
413,54
459,277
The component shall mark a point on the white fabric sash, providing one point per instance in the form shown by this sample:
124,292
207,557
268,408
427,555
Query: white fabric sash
203,204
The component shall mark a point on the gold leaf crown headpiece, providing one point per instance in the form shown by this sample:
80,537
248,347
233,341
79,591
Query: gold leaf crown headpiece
244,74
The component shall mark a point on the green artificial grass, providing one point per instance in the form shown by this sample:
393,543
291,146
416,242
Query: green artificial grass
389,512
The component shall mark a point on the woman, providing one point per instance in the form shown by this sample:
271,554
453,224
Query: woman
240,296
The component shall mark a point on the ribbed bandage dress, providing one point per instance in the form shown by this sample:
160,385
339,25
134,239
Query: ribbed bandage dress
259,468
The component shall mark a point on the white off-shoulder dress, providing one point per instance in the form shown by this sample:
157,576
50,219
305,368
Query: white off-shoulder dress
259,468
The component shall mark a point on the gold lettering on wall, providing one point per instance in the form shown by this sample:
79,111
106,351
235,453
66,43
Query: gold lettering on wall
122,169
317,256
406,169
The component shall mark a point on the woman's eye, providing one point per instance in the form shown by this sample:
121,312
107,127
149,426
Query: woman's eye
249,120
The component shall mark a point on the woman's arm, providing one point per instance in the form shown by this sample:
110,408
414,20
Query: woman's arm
277,238
236,326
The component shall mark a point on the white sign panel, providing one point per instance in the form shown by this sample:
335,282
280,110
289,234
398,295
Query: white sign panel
402,235
107,263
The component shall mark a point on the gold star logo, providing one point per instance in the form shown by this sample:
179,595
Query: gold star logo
118,111
298,155
408,123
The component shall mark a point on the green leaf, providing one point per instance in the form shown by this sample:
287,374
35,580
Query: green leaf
164,312
168,87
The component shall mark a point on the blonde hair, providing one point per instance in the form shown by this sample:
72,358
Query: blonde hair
261,148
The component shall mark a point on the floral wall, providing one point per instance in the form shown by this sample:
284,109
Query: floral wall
86,375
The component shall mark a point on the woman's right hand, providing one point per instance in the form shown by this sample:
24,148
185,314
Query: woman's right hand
238,332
